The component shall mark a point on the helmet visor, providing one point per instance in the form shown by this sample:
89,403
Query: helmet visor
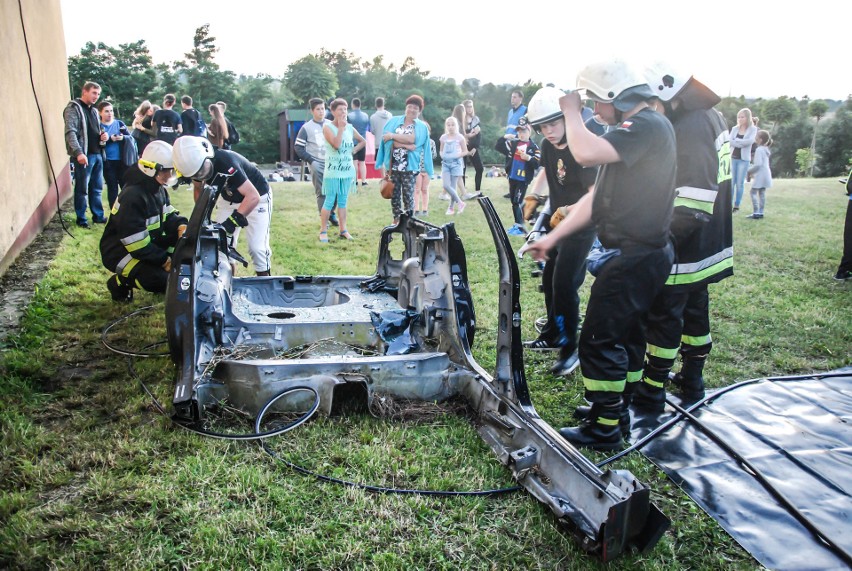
589,95
205,171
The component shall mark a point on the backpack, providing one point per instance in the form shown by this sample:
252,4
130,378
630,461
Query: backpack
233,135
200,125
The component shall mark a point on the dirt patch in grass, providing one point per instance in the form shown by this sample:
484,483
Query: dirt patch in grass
17,285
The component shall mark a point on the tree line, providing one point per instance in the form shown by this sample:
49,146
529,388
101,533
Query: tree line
810,137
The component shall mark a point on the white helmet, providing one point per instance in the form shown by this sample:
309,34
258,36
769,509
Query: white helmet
157,156
544,106
190,153
667,83
614,81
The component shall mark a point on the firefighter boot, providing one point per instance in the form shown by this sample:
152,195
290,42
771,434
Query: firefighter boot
600,430
118,290
650,392
582,412
689,382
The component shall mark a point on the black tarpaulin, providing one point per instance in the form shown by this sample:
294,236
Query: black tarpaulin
798,433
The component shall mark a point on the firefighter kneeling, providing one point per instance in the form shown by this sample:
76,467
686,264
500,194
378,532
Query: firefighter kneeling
143,228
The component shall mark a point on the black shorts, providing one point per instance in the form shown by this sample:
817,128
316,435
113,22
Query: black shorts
360,155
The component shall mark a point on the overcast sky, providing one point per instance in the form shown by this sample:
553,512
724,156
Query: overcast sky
756,48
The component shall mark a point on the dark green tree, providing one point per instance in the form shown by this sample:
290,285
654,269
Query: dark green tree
380,81
834,144
349,72
126,74
200,77
310,77
256,105
816,109
790,137
778,111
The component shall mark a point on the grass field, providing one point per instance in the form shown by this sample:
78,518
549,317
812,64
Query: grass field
92,477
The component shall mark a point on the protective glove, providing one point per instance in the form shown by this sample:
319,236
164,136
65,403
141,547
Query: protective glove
531,204
167,265
234,220
558,216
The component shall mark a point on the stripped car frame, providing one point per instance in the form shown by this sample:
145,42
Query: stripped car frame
426,284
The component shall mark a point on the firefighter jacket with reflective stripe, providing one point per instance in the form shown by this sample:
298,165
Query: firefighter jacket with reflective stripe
702,226
142,226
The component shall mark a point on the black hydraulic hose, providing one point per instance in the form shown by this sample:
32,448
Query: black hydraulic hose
368,487
129,352
261,436
224,435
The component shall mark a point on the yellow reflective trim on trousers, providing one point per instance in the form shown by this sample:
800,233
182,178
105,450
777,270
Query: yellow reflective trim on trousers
634,376
662,352
138,245
125,271
677,279
694,204
696,341
604,386
606,421
653,383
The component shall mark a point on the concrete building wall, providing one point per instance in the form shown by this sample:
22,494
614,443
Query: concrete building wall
34,91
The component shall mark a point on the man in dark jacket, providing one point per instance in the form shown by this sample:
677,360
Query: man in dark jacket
85,142
143,228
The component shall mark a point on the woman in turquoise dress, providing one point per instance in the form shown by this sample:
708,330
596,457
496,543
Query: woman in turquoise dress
339,177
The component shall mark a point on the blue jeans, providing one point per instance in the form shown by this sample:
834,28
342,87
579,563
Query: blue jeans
739,168
113,177
88,182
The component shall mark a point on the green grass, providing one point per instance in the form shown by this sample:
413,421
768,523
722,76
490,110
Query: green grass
91,477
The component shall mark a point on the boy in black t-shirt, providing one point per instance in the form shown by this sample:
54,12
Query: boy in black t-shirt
167,123
565,270
192,122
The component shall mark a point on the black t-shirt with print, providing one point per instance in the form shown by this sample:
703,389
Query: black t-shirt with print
567,180
231,170
167,121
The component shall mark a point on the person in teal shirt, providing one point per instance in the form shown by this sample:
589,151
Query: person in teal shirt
339,176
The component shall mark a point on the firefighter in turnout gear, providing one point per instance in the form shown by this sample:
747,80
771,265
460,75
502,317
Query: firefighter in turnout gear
631,206
702,235
143,227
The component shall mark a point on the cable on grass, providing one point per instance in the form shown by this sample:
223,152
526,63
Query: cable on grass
262,436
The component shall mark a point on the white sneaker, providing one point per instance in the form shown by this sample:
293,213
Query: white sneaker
449,211
444,196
